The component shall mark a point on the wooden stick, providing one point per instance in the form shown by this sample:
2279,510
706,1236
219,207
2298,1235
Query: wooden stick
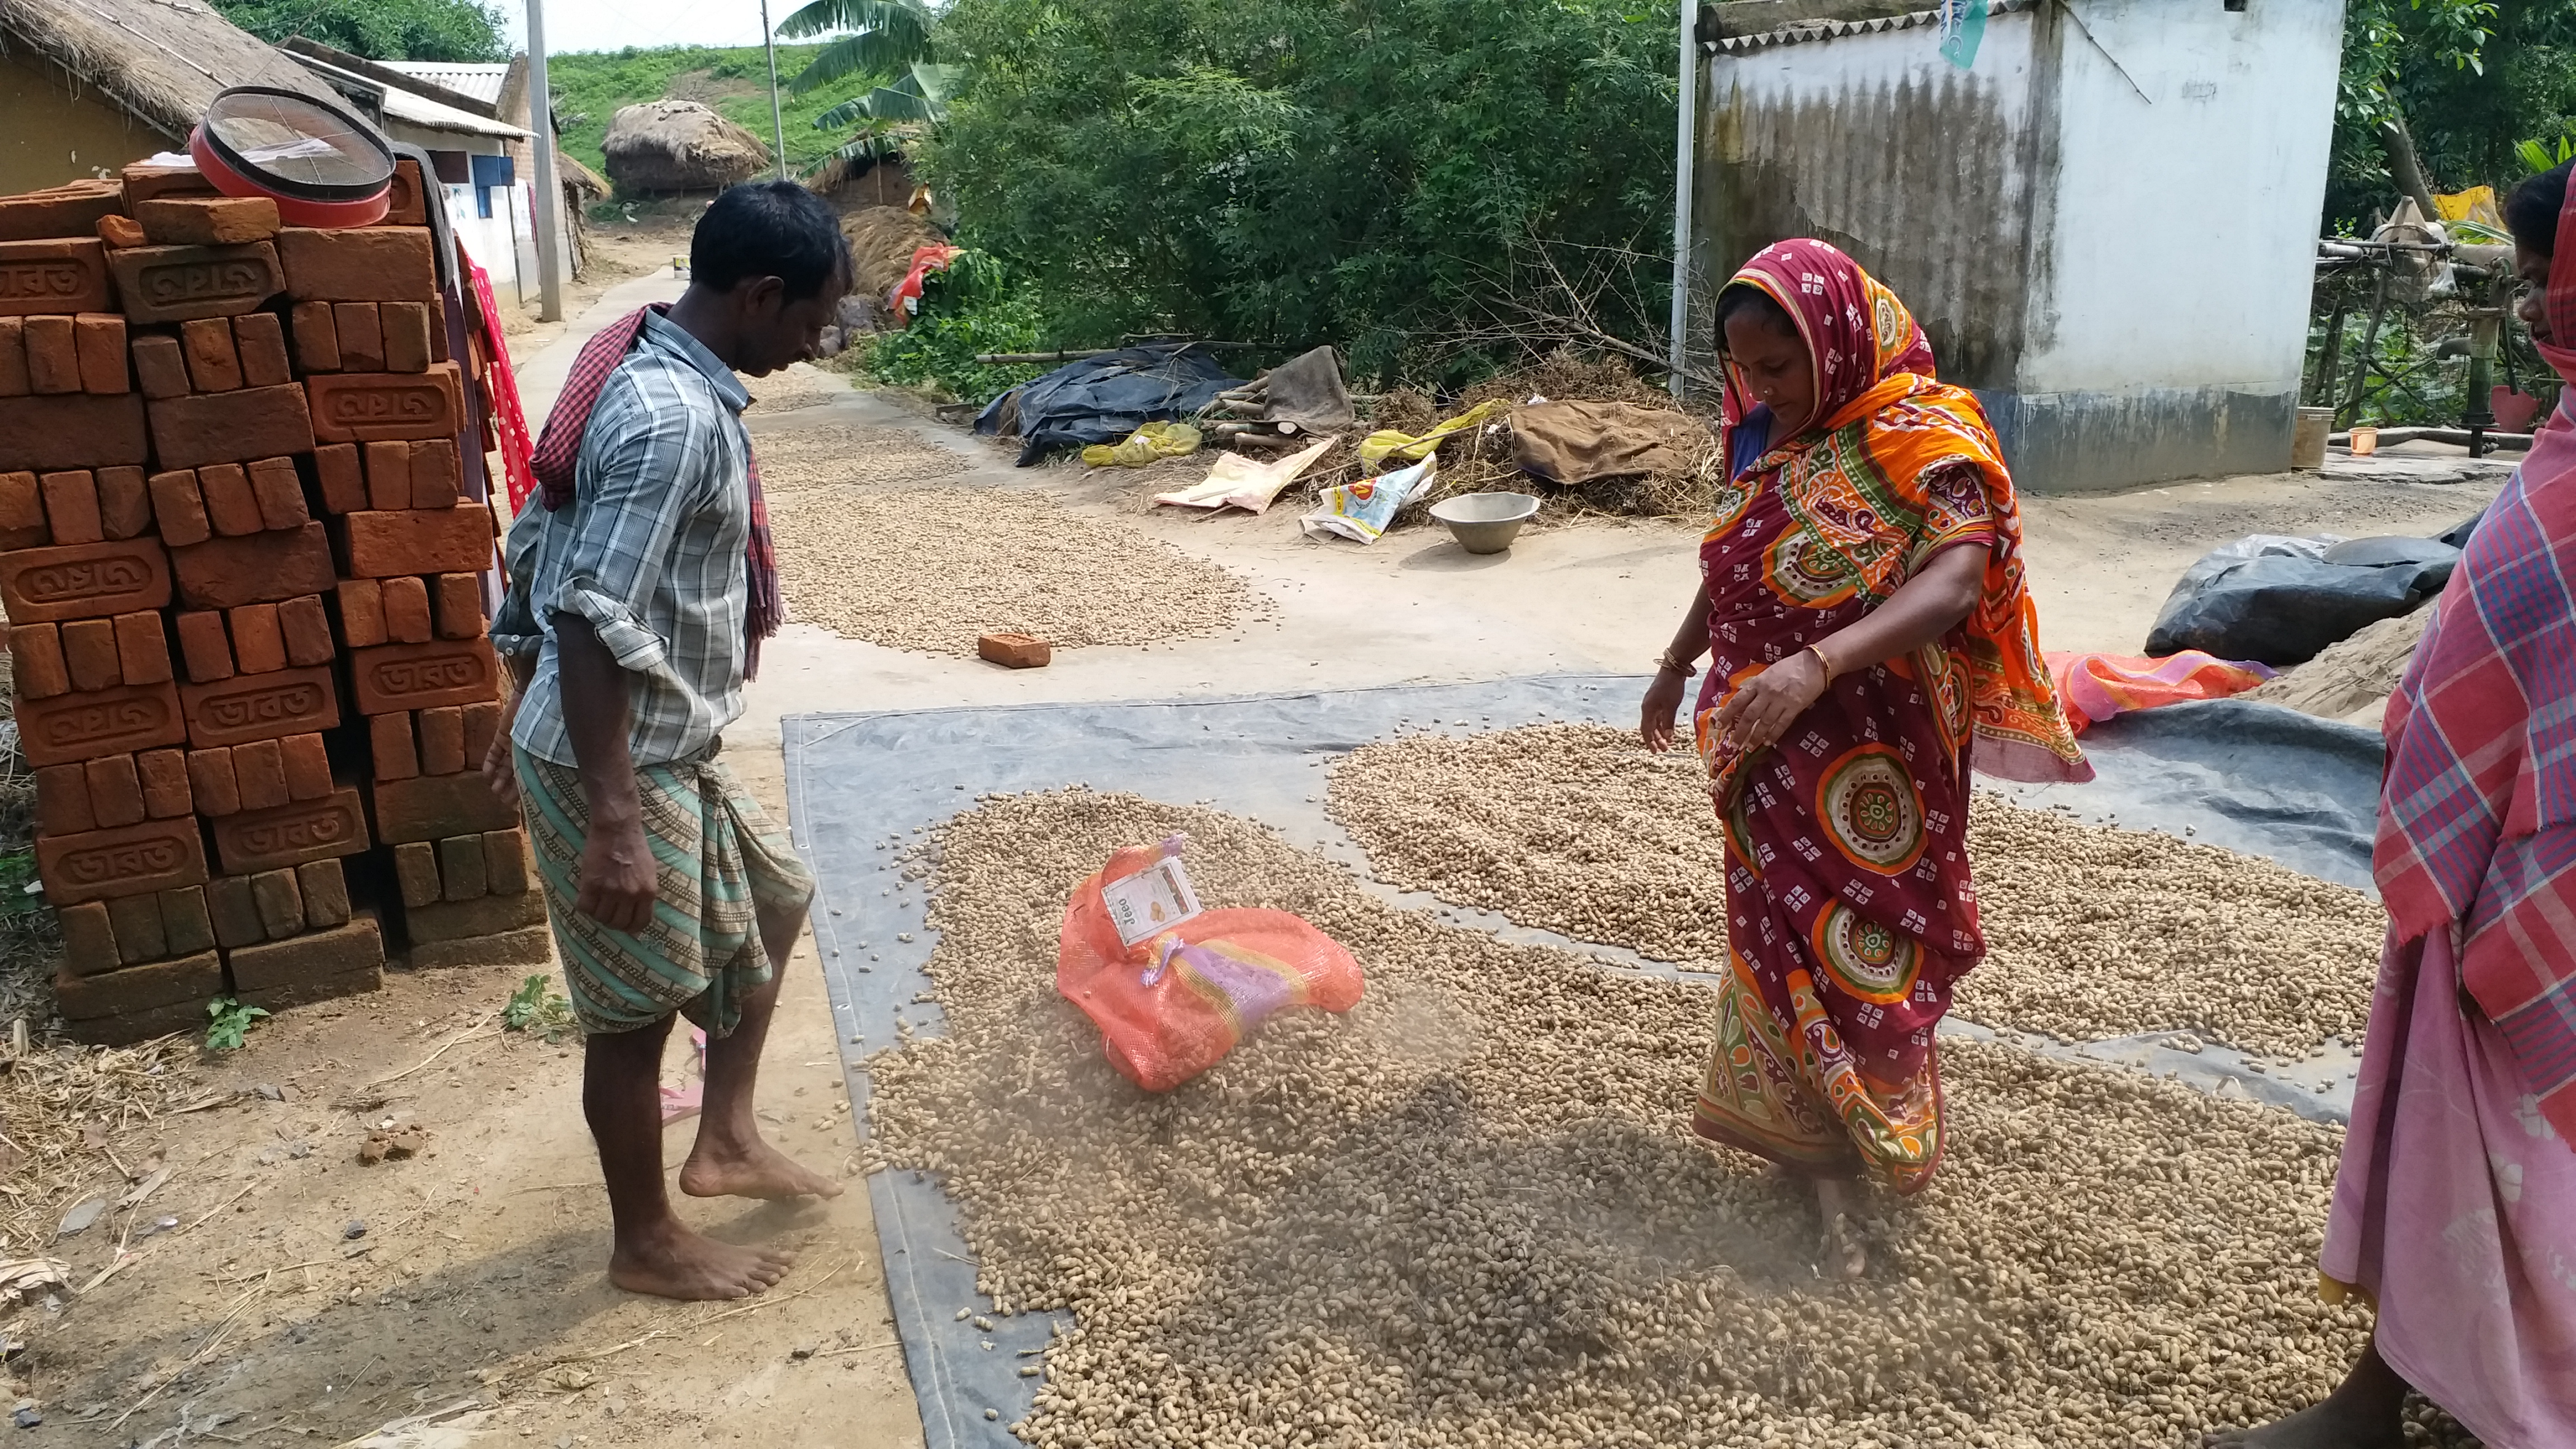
465,1035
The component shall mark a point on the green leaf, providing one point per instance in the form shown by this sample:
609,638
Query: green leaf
228,1022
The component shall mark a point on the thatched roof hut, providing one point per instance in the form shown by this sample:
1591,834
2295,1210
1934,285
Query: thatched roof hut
94,85
680,146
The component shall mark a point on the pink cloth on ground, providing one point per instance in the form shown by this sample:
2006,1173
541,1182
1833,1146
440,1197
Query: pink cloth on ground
2455,1210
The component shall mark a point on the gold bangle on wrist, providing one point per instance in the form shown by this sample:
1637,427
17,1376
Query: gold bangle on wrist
1823,661
1666,660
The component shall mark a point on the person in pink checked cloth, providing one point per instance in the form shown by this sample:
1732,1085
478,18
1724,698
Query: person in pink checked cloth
2455,1210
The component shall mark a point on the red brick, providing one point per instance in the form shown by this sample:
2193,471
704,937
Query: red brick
124,503
362,337
136,923
180,508
257,840
434,808
388,544
177,988
144,181
362,613
207,221
482,722
259,772
62,801
71,507
53,355
390,744
97,865
457,600
37,651
424,676
86,580
442,740
204,646
142,649
120,232
212,782
460,868
312,991
164,775
280,493
416,872
280,903
307,626
260,707
100,337
325,888
161,366
434,478
406,198
261,344
115,791
318,966
406,336
184,922
370,264
89,941
317,337
407,611
505,861
388,476
344,483
233,427
213,365
22,512
358,407
494,914
127,1028
91,430
13,357
232,509
57,277
89,647
262,569
308,767
72,209
259,646
176,284
232,912
72,727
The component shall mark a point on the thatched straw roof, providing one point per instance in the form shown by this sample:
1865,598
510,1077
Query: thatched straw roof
571,173
160,61
680,146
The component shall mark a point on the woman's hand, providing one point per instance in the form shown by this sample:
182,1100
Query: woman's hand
1762,708
1663,699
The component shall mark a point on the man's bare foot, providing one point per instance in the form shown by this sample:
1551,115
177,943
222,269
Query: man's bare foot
2330,1425
716,1169
673,1262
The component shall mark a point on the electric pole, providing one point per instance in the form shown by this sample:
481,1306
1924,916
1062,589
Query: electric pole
777,121
541,119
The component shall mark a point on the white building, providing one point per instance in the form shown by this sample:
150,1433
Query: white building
2106,221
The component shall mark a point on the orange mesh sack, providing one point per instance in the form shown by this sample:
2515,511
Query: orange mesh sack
1173,987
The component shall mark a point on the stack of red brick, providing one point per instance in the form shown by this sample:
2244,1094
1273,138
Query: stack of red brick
246,603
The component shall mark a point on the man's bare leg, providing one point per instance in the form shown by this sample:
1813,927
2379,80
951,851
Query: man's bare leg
731,1159
654,1253
2364,1412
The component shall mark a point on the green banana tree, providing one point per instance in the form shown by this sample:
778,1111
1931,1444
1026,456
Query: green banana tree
886,38
888,115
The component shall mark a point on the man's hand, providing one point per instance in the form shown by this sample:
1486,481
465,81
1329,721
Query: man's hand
500,771
617,876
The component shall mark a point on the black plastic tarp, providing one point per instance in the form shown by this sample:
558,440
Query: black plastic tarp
1102,399
2283,600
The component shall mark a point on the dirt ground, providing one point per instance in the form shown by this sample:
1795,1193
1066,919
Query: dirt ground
266,1318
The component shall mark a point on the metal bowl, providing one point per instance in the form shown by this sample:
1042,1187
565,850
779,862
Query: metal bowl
1485,522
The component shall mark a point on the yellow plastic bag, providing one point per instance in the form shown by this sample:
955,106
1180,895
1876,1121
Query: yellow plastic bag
1149,444
1387,445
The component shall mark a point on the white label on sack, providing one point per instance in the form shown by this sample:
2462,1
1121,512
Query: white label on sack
1151,901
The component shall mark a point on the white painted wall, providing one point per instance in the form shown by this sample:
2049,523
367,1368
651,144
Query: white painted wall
2184,234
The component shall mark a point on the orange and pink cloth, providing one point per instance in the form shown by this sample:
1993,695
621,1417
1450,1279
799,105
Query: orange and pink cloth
2094,687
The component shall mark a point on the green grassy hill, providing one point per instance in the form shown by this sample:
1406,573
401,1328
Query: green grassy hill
589,86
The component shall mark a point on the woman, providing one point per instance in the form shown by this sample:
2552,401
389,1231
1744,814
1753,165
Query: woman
2455,1209
1861,598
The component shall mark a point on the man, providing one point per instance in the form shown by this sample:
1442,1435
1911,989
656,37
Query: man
638,595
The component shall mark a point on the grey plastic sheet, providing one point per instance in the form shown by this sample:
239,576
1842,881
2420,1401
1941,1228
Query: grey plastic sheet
2254,778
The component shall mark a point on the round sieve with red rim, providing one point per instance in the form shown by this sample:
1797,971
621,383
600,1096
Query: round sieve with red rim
322,166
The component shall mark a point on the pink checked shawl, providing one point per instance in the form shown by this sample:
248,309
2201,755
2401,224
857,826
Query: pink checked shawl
2477,814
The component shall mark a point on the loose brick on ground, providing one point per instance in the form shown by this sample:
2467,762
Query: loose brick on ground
389,739
260,340
142,649
136,920
115,791
308,767
212,783
460,868
71,506
204,646
89,939
435,479
84,581
362,338
90,430
457,601
213,365
207,220
362,612
383,545
164,774
261,707
406,336
184,922
57,277
22,512
259,646
424,676
307,626
234,912
364,264
232,507
358,407
233,427
62,801
388,475
356,947
156,855
407,618
280,493
280,902
259,770
86,725
317,337
89,647
464,920
416,872
41,671
124,503
100,337
180,508
161,366
442,740
179,983
344,483
263,568
292,834
73,209
181,284
433,808
53,356
326,894
505,861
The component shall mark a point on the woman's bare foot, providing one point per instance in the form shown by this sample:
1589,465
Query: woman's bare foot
2364,1412
1843,1259
750,1169
673,1262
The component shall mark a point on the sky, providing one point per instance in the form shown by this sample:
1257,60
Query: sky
616,24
